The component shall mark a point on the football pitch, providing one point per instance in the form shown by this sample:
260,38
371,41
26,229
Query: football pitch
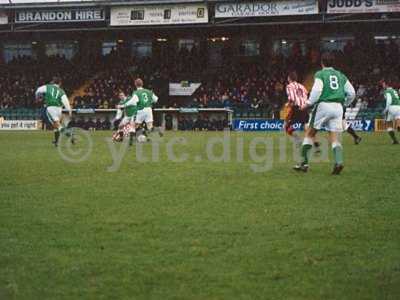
185,226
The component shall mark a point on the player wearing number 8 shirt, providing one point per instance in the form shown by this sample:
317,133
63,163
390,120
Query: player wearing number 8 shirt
331,91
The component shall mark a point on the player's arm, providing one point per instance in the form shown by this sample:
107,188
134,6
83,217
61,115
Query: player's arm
132,101
305,91
388,98
315,93
67,106
119,114
289,96
40,92
350,93
154,98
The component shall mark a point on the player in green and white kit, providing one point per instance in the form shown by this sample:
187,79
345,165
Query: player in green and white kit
144,100
55,99
129,113
330,92
392,109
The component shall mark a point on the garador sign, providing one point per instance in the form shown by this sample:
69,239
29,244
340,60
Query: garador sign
266,8
60,15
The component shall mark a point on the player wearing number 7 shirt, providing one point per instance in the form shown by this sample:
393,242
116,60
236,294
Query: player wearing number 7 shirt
330,92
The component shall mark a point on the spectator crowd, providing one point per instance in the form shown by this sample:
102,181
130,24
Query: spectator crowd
252,85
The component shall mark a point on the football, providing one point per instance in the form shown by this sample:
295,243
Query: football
142,138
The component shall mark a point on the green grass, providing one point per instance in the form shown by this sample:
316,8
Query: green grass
197,230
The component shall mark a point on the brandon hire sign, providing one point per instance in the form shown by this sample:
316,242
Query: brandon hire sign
60,15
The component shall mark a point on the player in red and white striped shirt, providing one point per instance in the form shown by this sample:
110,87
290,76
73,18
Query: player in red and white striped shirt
296,92
297,97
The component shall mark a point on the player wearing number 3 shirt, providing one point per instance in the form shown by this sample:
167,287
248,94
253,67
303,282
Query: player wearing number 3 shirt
144,99
331,91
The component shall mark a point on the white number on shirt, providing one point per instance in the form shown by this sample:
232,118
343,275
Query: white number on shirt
334,82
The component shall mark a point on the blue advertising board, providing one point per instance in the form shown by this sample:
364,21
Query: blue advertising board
361,124
277,125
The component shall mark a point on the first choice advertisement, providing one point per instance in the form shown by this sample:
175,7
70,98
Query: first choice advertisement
278,125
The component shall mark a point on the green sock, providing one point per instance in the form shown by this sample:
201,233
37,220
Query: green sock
338,155
56,136
305,151
393,136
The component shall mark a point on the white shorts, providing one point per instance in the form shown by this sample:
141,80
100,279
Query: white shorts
127,120
54,114
144,115
393,113
327,115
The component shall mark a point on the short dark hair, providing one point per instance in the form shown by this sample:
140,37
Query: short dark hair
293,76
56,80
388,80
138,82
328,59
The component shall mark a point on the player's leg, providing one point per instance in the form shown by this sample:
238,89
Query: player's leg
117,119
396,112
132,131
304,119
397,124
149,126
290,131
334,126
307,145
337,150
56,128
64,129
54,117
390,128
316,144
306,150
121,126
140,118
148,119
316,121
391,132
356,138
289,122
350,130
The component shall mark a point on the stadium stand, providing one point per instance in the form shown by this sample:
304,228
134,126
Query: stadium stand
254,89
